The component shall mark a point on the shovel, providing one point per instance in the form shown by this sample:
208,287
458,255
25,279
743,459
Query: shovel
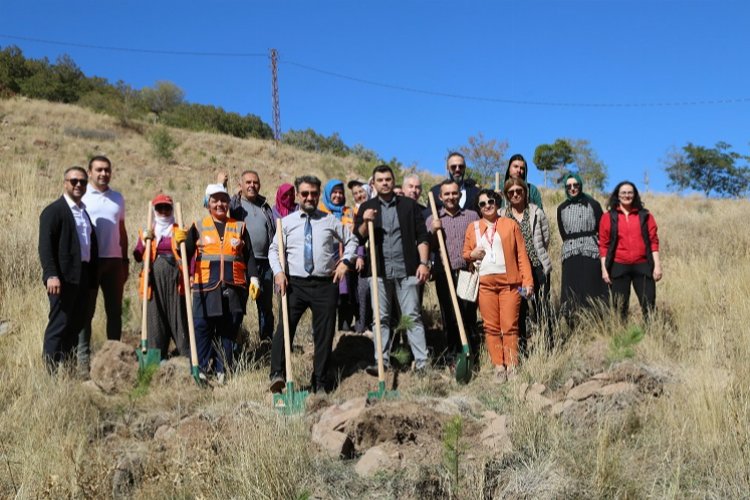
381,393
147,357
292,401
463,363
194,370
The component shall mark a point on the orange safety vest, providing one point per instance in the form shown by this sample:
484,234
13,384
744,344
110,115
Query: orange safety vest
175,252
347,215
220,260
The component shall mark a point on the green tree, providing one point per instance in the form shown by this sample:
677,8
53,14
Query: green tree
13,70
484,157
592,170
709,170
564,154
553,157
310,140
163,97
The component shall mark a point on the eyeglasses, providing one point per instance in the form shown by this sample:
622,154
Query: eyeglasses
574,185
513,192
76,181
490,202
627,193
306,194
457,167
163,208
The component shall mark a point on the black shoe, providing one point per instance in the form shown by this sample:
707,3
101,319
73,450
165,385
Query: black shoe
277,384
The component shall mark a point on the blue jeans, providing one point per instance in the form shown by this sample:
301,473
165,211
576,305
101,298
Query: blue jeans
406,292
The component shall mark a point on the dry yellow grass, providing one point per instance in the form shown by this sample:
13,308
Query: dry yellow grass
57,439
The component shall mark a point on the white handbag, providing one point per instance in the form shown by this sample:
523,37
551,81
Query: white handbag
467,286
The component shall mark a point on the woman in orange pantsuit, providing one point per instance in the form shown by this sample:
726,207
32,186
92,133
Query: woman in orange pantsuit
495,246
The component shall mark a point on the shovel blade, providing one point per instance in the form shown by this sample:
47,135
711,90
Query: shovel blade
381,393
463,366
291,402
147,357
196,373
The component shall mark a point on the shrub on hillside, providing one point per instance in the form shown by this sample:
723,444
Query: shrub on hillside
163,144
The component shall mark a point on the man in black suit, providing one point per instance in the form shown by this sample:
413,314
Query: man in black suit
68,253
456,166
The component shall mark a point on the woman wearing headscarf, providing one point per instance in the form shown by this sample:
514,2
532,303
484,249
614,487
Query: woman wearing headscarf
578,222
334,202
285,203
629,249
535,231
495,246
166,316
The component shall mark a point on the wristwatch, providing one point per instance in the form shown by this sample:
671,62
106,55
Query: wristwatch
427,263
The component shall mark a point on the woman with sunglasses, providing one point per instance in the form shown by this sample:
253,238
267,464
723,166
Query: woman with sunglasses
166,315
535,231
495,246
629,249
578,222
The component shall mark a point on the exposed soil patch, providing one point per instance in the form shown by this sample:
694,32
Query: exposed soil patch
399,422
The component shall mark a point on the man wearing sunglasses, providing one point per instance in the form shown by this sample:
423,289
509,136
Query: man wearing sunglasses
310,280
68,253
456,166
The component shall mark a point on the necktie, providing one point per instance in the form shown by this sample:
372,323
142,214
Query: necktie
308,247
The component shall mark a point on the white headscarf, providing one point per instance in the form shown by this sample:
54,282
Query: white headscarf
162,226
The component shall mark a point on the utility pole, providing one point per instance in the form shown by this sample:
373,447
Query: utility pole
275,89
645,181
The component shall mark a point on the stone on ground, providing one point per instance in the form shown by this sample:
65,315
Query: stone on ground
114,367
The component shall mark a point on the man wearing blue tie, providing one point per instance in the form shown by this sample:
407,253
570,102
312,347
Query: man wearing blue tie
311,242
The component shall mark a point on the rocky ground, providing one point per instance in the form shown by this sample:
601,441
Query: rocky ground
372,436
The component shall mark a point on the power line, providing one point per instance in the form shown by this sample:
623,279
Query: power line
135,50
413,90
400,88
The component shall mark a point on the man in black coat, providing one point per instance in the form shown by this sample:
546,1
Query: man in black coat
68,254
456,166
403,263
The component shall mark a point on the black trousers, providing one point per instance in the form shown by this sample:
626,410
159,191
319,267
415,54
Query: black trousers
68,315
640,276
320,296
542,312
448,316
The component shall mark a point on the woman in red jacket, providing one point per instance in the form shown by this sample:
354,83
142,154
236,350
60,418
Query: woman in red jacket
629,249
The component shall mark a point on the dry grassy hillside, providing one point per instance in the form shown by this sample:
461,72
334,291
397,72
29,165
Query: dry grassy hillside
680,430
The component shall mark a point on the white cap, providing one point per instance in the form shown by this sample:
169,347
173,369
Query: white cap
213,189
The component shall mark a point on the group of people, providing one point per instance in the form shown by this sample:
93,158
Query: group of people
502,235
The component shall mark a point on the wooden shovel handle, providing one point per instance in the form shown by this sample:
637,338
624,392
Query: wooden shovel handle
376,300
188,292
284,305
146,270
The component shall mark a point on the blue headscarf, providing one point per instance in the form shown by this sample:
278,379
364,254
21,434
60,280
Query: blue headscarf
336,210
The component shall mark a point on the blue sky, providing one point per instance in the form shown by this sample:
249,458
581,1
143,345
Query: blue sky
612,53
